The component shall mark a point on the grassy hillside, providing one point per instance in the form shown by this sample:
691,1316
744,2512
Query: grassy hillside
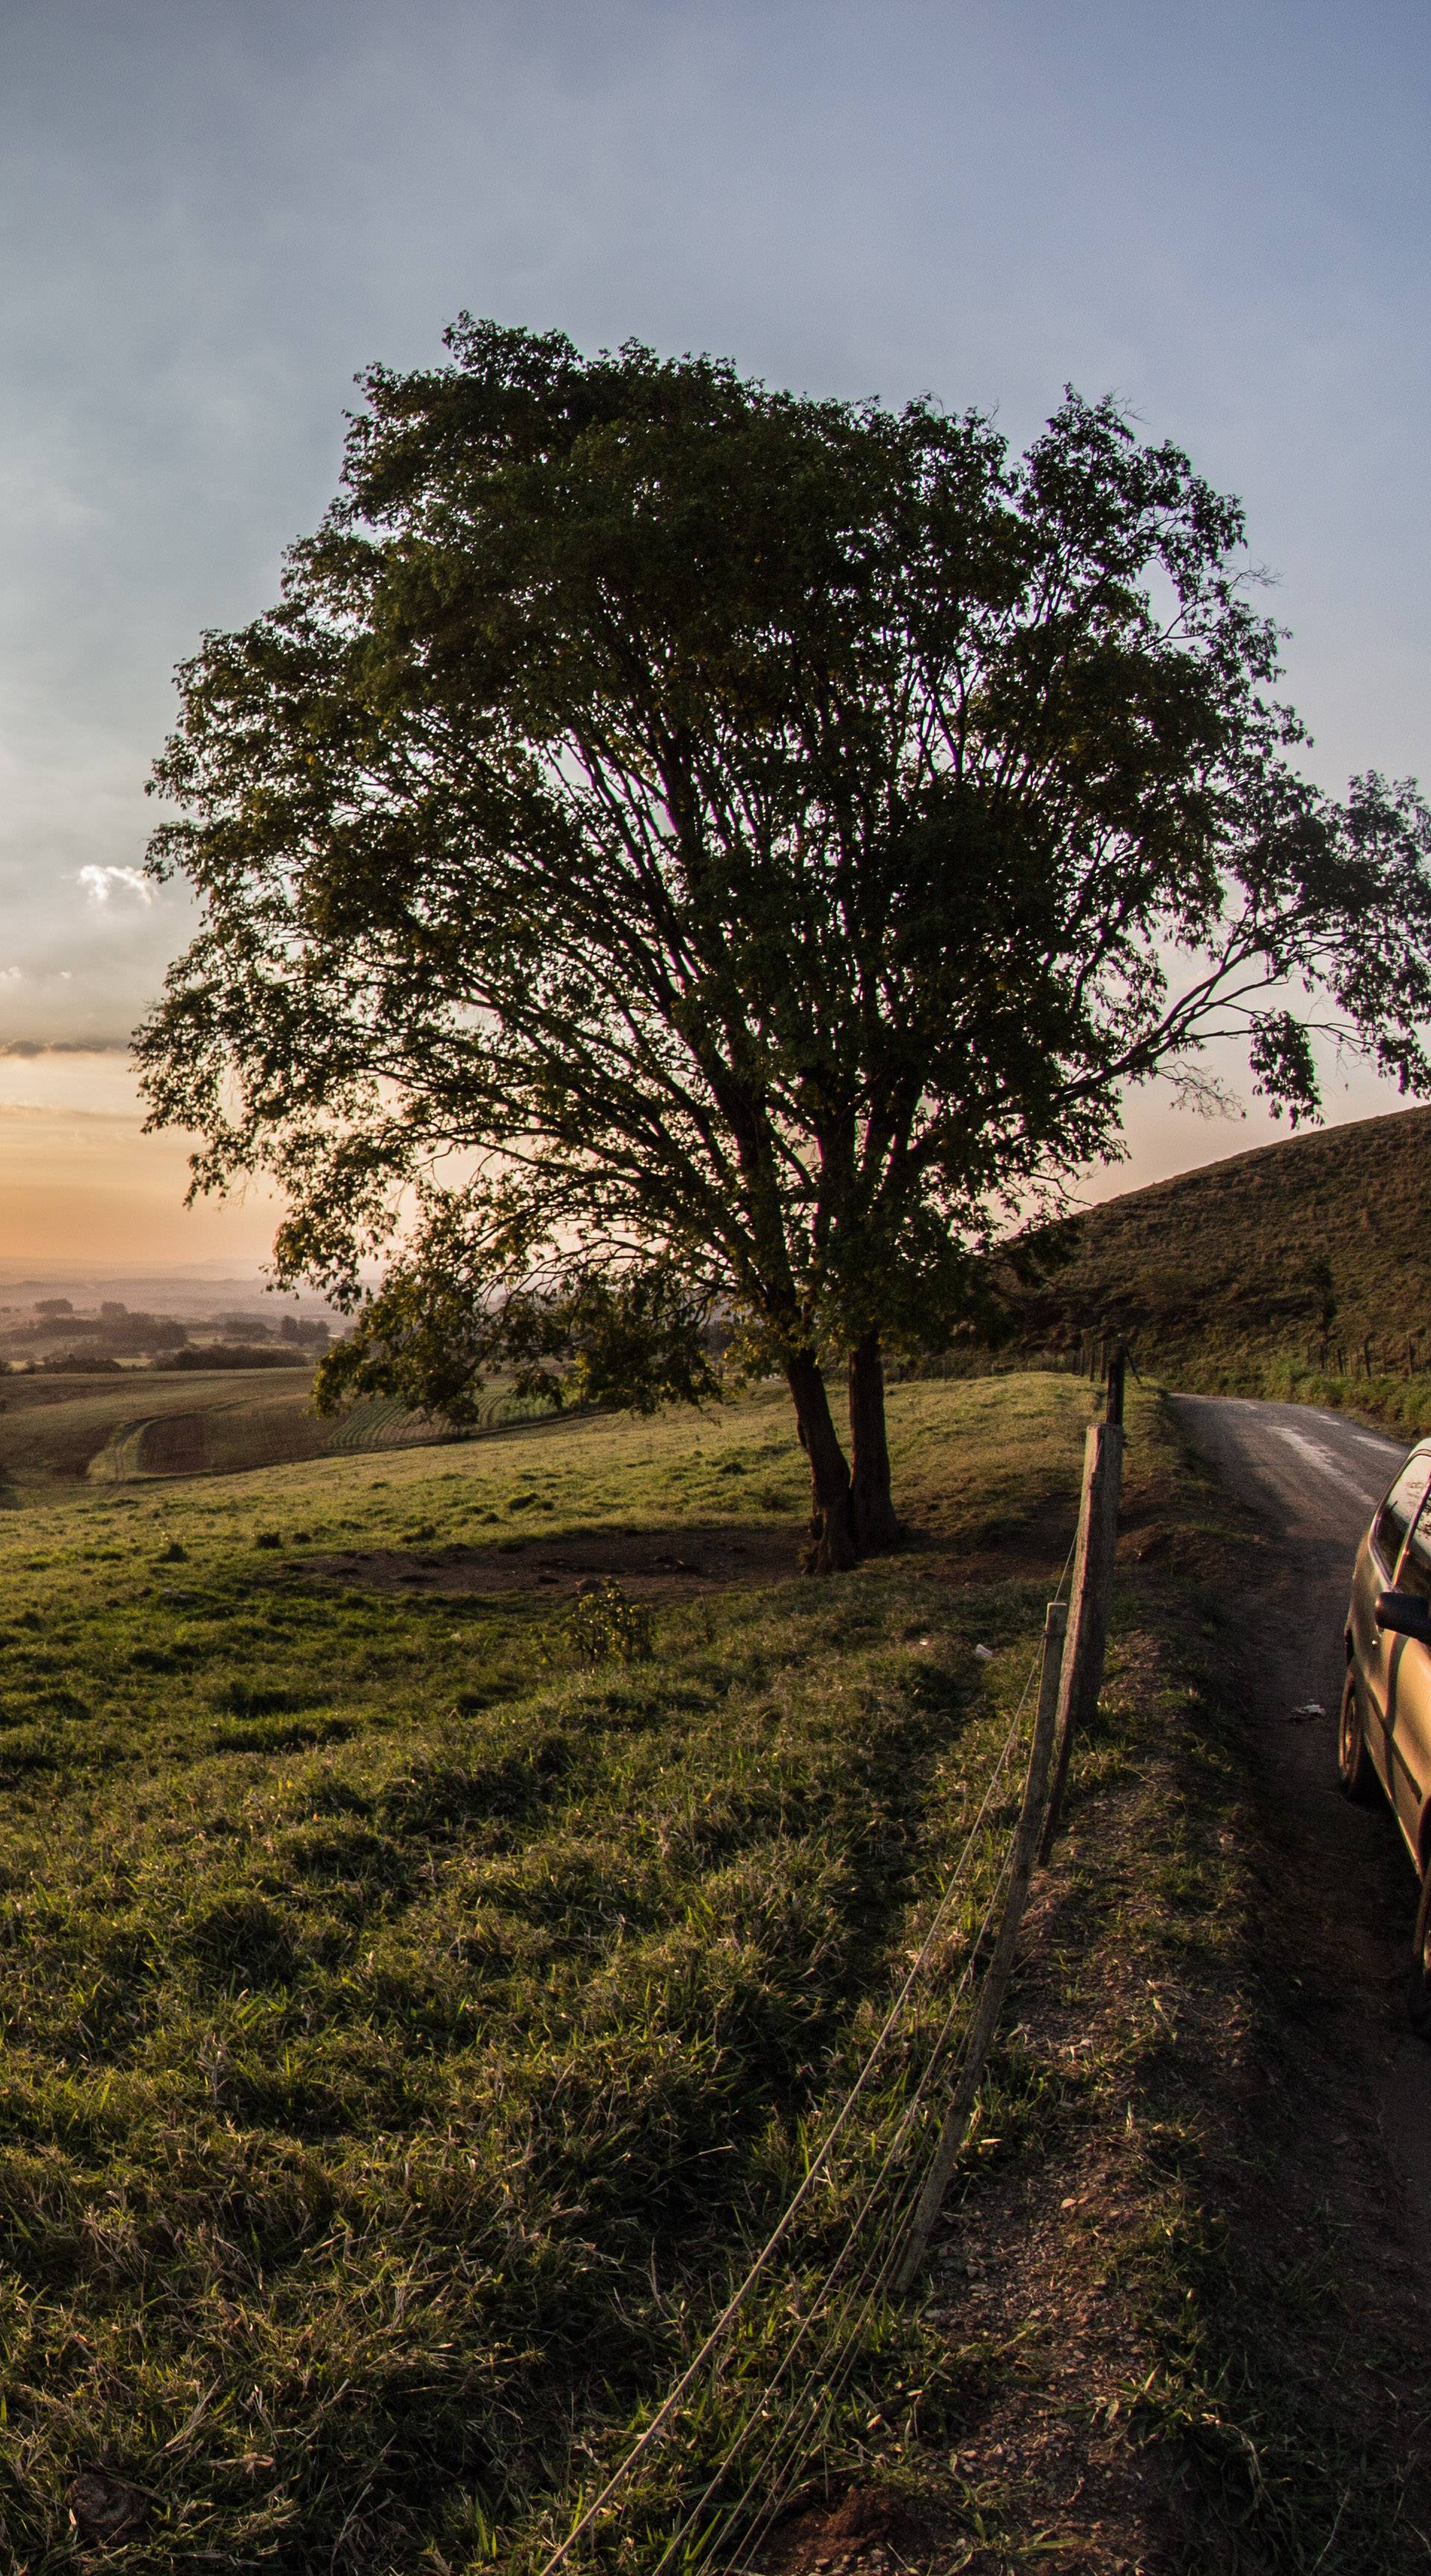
1324,1240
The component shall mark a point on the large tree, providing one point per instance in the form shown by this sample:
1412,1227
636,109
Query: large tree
679,849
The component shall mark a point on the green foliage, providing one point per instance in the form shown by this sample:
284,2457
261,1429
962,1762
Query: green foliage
605,1621
227,1355
736,842
434,1331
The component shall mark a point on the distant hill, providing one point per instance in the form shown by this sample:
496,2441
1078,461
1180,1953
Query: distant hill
1323,1242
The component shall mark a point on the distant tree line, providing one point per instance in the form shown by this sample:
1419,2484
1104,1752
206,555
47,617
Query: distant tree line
116,1333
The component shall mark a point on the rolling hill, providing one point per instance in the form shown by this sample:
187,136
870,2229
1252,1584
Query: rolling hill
1311,1250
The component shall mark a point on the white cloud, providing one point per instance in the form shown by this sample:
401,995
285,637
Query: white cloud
100,883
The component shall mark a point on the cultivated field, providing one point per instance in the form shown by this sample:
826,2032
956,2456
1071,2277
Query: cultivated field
58,1430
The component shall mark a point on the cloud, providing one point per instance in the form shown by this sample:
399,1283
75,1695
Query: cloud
26,1049
100,883
52,1114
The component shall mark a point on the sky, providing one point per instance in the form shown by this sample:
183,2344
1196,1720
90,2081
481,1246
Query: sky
214,213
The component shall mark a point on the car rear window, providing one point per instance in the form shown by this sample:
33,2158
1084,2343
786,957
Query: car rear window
1400,1507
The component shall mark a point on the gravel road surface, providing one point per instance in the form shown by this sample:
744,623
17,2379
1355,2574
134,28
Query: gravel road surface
1313,1480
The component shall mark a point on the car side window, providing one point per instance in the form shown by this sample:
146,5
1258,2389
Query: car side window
1399,1509
1415,1575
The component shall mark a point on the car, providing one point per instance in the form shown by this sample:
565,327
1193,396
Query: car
1384,1734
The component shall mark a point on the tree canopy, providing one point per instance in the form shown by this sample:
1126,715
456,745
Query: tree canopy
680,849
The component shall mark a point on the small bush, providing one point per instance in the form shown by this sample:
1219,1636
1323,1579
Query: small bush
605,1621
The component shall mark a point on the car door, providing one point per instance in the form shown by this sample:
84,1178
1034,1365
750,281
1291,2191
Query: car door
1408,1688
1380,1656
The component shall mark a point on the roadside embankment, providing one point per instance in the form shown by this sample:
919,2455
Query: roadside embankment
1401,1403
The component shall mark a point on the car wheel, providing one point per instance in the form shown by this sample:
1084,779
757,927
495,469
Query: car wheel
1420,1989
1354,1763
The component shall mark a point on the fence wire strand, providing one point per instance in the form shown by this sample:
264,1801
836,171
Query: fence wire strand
792,2438
869,2285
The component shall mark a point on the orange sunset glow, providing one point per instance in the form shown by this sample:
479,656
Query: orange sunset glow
81,1183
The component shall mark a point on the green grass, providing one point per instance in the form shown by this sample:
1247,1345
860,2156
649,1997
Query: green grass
404,2026
408,2029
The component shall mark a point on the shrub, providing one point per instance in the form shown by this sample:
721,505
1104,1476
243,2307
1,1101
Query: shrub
605,1621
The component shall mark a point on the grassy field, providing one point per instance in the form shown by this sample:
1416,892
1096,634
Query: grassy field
408,2027
404,2024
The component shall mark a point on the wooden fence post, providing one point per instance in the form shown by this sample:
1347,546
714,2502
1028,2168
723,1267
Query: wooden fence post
955,2125
1088,1601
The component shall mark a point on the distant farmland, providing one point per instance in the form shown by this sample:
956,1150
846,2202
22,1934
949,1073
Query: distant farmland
56,1432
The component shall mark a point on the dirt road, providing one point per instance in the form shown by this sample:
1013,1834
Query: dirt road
1313,1479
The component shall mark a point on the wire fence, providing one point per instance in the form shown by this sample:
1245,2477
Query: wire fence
760,2404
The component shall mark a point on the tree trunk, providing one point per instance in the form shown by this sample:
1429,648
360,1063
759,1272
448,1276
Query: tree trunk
876,1527
832,1522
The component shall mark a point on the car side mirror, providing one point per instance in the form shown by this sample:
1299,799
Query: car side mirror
1406,1614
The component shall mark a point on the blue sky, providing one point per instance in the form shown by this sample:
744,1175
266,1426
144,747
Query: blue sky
213,214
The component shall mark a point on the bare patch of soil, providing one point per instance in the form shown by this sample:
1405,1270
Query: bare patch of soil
657,1564
868,2533
652,1564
